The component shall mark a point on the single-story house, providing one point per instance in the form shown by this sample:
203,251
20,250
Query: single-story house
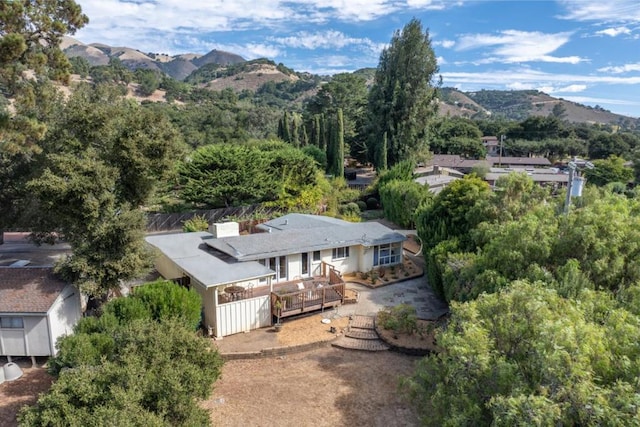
542,176
236,275
36,308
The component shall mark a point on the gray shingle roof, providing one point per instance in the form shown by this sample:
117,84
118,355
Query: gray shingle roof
193,256
226,260
296,233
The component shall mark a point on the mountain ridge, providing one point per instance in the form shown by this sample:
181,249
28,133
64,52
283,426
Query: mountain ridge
218,70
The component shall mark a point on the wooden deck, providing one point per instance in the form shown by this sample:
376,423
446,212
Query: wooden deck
309,299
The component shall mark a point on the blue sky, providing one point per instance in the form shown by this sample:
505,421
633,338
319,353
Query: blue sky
587,51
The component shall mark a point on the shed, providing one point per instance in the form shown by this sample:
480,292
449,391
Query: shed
36,308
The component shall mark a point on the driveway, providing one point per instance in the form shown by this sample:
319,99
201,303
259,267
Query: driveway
17,247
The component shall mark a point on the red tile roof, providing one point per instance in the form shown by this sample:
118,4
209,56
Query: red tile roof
28,289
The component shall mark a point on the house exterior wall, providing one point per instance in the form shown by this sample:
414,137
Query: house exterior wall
365,259
294,266
63,315
344,265
167,268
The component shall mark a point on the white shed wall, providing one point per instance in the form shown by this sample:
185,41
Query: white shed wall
63,315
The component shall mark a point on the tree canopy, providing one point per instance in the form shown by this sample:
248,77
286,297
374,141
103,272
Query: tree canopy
527,356
402,100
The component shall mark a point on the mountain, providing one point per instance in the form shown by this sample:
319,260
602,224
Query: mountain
520,104
219,70
178,66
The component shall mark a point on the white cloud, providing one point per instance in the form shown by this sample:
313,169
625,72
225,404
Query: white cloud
513,46
621,68
546,88
519,86
599,10
323,40
447,44
592,100
532,78
614,31
440,60
572,89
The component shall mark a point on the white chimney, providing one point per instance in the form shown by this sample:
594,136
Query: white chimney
224,229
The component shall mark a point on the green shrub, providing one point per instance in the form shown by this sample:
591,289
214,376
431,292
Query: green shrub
401,319
372,203
166,300
197,223
127,309
350,209
362,205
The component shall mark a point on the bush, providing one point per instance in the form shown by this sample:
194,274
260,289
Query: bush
401,319
361,205
166,300
350,209
197,223
372,203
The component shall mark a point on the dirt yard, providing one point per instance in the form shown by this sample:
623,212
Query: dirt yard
324,387
23,391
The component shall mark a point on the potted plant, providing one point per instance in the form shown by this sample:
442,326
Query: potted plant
278,306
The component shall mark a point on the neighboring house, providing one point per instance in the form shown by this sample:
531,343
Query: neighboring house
492,145
543,176
436,177
237,275
454,161
36,308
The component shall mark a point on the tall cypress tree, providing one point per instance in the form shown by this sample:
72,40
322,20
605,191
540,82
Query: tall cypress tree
338,146
402,100
330,143
295,131
323,132
315,130
381,154
286,136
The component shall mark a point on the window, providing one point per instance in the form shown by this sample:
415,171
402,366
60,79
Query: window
282,271
339,253
305,264
316,256
11,322
387,254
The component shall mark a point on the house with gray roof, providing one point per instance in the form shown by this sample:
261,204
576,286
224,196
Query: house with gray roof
36,308
235,274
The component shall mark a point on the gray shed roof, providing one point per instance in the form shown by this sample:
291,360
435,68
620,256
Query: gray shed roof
296,233
195,258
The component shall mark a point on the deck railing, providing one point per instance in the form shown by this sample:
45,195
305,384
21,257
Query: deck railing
305,300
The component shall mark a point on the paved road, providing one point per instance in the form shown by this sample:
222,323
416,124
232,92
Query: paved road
17,247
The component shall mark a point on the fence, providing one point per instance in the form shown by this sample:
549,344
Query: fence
174,221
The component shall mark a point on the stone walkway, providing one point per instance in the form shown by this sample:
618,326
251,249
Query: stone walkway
361,335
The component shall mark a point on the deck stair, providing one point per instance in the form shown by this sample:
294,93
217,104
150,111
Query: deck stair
361,335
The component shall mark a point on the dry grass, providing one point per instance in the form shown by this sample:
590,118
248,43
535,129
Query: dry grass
324,387
23,391
310,329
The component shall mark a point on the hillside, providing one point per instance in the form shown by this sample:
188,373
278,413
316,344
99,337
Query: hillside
178,66
218,70
518,105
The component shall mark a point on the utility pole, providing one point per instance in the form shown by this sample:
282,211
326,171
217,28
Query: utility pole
500,156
